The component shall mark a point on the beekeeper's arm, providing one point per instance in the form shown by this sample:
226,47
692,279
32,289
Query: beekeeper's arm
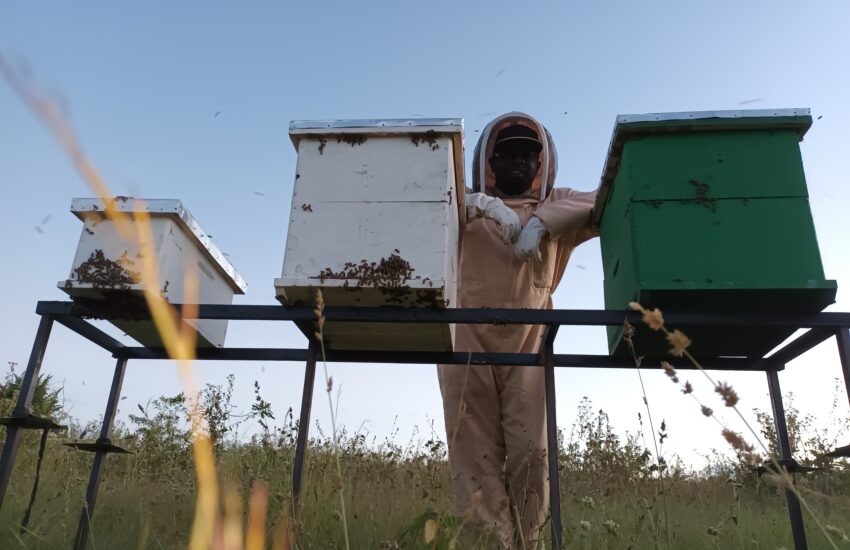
564,218
479,205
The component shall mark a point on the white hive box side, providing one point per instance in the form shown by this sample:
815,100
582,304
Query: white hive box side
101,275
375,222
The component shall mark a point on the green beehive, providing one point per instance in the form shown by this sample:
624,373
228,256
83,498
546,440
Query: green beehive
709,212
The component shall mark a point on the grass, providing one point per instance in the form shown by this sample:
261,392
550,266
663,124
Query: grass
609,489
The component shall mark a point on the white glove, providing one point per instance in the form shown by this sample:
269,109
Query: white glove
528,245
479,205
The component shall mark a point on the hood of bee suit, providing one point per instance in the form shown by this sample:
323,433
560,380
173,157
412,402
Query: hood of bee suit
483,179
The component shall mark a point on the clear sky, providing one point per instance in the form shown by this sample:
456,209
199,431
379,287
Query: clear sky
192,100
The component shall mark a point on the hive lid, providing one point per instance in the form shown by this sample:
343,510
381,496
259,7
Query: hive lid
174,209
376,125
627,126
452,127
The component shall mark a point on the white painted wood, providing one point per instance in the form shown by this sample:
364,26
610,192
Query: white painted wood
356,200
177,252
384,169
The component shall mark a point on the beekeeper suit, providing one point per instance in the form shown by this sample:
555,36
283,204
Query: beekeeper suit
519,235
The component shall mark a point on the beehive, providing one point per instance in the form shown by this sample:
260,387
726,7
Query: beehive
709,212
101,281
375,221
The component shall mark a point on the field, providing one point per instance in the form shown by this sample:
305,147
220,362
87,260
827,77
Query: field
610,486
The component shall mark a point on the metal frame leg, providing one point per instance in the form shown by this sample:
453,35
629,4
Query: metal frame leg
22,407
843,338
303,426
552,436
798,530
100,454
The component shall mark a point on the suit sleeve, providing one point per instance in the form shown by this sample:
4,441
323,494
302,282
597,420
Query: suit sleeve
567,215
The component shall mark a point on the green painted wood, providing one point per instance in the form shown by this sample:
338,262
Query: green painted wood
728,164
716,221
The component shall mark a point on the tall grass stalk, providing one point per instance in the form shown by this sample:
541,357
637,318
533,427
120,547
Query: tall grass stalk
178,338
320,327
679,344
658,458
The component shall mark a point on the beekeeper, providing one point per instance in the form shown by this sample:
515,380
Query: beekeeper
519,235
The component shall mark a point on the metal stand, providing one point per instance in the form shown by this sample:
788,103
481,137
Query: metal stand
547,357
798,530
823,326
21,418
303,427
101,448
842,336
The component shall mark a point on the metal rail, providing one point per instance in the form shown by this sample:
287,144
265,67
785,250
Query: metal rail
822,327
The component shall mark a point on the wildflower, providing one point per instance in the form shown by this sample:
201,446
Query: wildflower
728,394
611,526
706,411
670,371
679,341
688,388
588,501
713,531
585,525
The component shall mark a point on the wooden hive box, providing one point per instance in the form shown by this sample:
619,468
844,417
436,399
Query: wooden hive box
709,212
375,221
100,280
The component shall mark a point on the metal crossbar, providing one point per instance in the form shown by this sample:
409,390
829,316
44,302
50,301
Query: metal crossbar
822,326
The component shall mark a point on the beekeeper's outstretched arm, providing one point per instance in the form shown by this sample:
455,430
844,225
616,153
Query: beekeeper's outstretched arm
566,217
479,205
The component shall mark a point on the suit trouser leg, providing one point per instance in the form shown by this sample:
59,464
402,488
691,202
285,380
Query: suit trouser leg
523,406
477,448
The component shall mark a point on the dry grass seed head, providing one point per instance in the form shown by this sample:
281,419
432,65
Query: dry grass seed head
670,371
706,411
730,398
651,317
628,330
833,530
751,459
736,441
688,388
679,342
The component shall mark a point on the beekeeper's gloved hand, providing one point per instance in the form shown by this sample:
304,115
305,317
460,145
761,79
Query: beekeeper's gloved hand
479,205
528,245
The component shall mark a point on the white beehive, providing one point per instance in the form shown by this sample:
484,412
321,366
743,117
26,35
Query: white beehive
100,276
375,221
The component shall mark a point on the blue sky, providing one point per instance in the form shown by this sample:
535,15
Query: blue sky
142,83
